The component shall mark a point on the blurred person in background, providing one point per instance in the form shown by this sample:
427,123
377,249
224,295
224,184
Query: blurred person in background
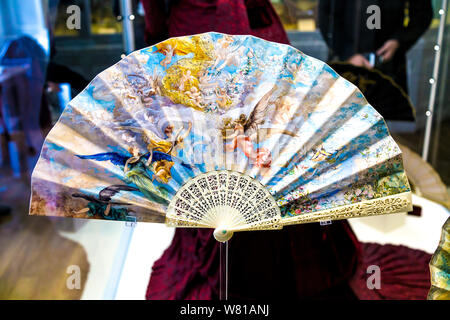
26,116
58,73
303,261
344,26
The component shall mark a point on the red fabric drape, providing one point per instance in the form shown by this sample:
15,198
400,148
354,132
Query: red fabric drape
296,262
187,17
404,273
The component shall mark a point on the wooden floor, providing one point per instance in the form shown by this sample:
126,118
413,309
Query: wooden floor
33,256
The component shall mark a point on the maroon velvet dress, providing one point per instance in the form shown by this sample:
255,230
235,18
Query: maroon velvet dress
404,273
301,261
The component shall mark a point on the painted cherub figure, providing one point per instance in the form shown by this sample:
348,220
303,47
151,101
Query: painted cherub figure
196,97
261,157
205,81
248,131
161,166
186,78
169,49
161,155
175,139
169,52
222,97
227,57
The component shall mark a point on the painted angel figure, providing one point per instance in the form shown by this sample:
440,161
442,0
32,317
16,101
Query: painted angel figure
162,167
227,58
196,97
157,147
261,157
169,53
135,171
225,41
222,97
205,81
186,78
103,205
170,138
169,50
247,132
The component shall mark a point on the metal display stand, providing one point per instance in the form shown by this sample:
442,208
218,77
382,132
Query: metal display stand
223,271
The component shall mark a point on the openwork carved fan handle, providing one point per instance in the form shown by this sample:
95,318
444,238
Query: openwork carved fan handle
227,201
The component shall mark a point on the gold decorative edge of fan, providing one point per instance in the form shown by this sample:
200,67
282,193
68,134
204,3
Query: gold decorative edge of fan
275,224
387,205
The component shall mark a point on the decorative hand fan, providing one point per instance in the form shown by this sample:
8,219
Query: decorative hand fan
382,92
216,131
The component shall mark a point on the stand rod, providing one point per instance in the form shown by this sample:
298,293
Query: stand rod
223,271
